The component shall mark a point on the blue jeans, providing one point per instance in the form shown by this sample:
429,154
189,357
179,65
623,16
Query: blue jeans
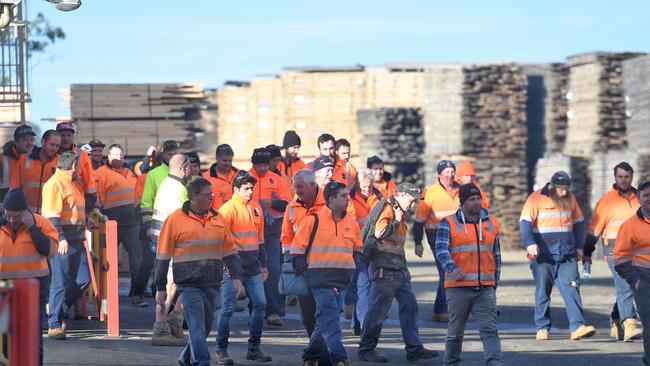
440,305
363,293
563,273
64,288
255,291
329,302
624,296
200,304
274,301
642,299
386,285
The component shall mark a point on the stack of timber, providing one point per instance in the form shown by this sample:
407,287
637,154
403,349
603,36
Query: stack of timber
636,84
395,135
138,115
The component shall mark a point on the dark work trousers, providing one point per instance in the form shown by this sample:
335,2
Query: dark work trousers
642,299
128,235
274,301
145,267
440,305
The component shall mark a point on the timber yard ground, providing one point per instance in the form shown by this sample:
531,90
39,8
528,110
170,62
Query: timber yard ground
87,344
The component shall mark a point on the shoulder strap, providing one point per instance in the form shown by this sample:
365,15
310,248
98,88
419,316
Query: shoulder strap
313,235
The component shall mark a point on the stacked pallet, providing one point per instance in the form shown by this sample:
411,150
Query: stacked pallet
394,134
602,166
556,127
394,86
596,103
636,84
138,115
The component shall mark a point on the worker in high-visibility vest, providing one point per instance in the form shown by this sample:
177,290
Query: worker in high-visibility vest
221,175
244,216
153,180
23,143
632,258
440,200
195,164
465,174
97,153
344,171
63,205
328,268
116,192
85,176
613,208
291,163
27,240
553,232
35,168
383,180
468,248
198,240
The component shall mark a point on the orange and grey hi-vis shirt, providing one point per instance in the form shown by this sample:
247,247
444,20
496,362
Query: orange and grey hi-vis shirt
30,175
63,205
612,210
197,244
24,252
632,249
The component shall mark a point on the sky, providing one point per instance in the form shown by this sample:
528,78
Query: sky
209,42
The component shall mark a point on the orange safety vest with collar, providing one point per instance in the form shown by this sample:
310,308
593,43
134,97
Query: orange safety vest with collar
116,193
85,179
271,186
221,185
344,172
8,163
437,204
611,211
386,187
19,257
632,249
363,205
471,246
30,175
63,205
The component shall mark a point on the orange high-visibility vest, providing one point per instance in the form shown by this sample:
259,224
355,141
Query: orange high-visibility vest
31,175
85,179
610,213
438,203
221,185
62,201
19,257
115,187
344,172
270,186
633,242
471,247
246,221
362,205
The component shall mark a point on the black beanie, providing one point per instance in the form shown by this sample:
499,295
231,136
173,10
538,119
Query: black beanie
260,156
274,151
15,200
444,164
468,190
291,138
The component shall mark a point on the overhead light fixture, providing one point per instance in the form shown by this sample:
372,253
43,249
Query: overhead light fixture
7,12
66,5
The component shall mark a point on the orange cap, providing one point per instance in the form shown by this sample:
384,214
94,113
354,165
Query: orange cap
465,168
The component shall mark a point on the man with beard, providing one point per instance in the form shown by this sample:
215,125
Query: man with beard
326,144
97,153
291,163
613,208
344,171
221,175
553,233
85,176
23,143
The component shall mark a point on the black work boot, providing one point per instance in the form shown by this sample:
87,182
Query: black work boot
257,355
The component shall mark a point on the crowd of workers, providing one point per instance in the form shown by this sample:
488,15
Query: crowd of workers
214,237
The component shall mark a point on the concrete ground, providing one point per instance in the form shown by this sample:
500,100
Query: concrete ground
87,344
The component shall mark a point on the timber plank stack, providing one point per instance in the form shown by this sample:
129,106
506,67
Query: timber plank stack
395,135
636,84
138,115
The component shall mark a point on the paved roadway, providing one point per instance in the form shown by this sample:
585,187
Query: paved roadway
86,344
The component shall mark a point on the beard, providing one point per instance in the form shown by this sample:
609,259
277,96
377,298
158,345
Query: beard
561,202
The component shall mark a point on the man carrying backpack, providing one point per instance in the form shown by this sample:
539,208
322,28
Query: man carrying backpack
384,235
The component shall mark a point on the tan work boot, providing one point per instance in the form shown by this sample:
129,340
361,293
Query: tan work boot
175,321
542,335
441,317
585,331
615,331
56,333
162,336
630,330
274,319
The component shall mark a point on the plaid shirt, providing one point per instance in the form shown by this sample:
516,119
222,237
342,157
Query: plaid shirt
442,246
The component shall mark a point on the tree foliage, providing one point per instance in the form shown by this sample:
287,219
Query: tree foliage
42,34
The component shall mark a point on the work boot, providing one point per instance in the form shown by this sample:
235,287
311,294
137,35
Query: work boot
630,330
349,311
257,355
175,321
441,317
616,331
585,331
342,363
56,333
543,335
373,356
138,301
162,336
224,359
291,300
421,354
78,308
274,319
312,362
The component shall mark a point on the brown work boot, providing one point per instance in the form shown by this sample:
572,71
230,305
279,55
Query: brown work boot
441,317
56,333
542,335
274,319
162,336
175,321
616,331
630,330
585,331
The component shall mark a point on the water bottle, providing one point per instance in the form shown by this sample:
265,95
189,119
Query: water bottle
586,271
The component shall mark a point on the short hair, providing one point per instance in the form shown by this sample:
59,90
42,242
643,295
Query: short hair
324,138
50,133
374,160
365,173
306,175
224,150
243,177
644,185
196,185
341,142
625,166
332,189
114,146
66,160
